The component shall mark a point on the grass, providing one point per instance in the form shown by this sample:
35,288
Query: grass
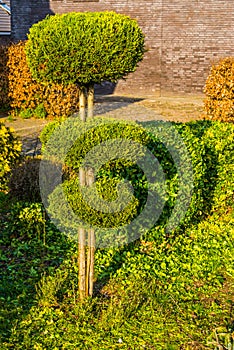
185,304
164,291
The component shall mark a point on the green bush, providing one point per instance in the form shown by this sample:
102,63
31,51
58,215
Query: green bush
219,89
209,146
84,48
99,131
10,153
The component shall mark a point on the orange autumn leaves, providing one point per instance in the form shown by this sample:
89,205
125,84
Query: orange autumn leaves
219,89
24,93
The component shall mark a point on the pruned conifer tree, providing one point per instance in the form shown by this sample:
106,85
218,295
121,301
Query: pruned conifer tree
84,49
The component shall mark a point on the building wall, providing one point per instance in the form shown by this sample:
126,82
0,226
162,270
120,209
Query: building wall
5,21
183,37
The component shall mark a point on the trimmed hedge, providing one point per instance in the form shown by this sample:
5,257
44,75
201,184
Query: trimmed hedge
28,98
219,89
210,148
84,48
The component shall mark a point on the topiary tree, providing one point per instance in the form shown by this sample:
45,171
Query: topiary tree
219,89
84,49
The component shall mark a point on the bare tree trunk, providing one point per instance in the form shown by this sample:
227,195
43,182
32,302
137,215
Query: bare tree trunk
86,178
82,267
91,254
90,100
81,238
82,103
91,243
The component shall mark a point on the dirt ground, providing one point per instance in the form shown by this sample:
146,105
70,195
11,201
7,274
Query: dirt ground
179,108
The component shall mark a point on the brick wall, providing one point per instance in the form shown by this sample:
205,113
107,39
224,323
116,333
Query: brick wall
183,37
25,13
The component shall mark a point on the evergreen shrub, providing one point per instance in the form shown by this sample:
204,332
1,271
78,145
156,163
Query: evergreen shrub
219,90
84,48
210,148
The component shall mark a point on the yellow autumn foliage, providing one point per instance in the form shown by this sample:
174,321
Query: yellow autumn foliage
26,93
219,90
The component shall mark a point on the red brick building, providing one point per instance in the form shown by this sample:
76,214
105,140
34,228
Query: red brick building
183,37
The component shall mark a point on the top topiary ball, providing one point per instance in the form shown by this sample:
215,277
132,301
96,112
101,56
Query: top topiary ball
84,48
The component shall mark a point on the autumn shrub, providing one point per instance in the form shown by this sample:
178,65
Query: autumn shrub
10,153
34,99
4,99
219,89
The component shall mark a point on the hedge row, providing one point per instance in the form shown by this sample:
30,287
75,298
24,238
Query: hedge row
25,95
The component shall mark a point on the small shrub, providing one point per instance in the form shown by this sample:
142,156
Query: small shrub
29,98
219,89
26,113
10,153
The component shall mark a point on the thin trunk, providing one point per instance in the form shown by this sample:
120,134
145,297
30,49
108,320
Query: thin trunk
82,102
82,266
81,234
91,268
90,98
88,264
91,242
86,178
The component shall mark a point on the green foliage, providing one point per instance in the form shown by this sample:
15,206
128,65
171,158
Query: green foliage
26,113
10,153
30,247
219,89
84,48
164,291
163,296
209,146
38,112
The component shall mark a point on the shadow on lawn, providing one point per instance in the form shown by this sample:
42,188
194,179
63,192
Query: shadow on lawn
22,263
